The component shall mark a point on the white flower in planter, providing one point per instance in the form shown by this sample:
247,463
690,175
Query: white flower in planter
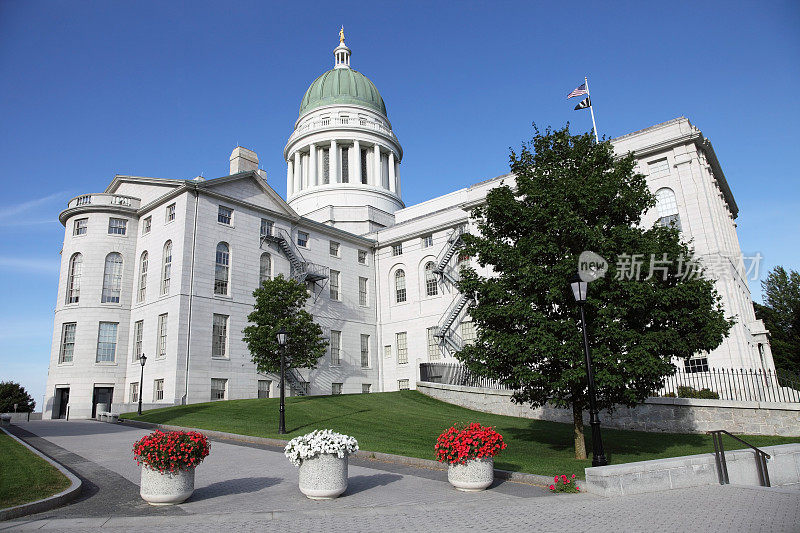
320,441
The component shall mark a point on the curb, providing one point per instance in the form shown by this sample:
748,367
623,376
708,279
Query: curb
430,464
57,500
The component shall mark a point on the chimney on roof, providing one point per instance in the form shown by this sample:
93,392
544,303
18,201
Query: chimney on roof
243,160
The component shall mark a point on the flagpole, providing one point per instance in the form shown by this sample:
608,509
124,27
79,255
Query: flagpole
591,108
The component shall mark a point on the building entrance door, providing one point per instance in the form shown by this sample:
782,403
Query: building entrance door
62,401
101,399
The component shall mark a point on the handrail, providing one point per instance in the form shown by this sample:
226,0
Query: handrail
722,465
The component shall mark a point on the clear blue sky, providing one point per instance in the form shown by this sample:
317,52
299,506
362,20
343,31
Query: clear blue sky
168,89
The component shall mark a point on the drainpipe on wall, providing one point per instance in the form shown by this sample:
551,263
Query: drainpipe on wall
185,399
379,324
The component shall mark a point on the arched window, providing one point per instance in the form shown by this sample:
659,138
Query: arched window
74,278
112,279
222,269
265,268
142,277
431,287
667,208
166,267
400,286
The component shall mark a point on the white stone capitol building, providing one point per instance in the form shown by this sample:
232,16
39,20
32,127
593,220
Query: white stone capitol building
167,267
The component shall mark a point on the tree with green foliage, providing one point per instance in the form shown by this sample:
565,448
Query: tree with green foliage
573,195
280,304
781,316
13,393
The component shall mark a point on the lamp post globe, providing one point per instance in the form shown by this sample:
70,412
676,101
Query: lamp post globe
282,343
142,361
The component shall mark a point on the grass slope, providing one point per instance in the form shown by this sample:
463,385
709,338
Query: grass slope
408,423
24,476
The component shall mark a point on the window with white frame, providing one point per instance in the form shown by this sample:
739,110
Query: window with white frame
81,226
219,336
364,176
225,215
345,159
267,226
397,249
222,269
400,286
134,397
147,225
362,291
138,335
117,226
302,239
334,248
696,364
219,389
143,263
387,351
161,352
667,208
112,279
402,384
401,340
336,388
431,283
264,386
74,278
265,268
657,167
366,388
433,344
158,390
67,342
336,347
364,351
107,342
166,267
170,216
427,241
334,284
362,257
468,332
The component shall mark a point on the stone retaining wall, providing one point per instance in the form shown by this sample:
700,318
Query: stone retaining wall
673,415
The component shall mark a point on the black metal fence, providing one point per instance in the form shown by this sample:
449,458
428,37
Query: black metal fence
718,384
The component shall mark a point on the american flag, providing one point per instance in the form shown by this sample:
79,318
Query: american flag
579,91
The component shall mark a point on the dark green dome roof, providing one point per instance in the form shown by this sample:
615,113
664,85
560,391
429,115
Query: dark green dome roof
342,86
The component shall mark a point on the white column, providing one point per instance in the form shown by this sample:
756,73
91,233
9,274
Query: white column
297,181
334,166
376,165
397,176
355,172
392,183
289,178
312,166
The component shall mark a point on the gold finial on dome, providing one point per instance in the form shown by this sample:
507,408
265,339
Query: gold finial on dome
341,35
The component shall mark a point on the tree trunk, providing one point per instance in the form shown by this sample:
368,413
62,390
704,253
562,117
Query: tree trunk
577,425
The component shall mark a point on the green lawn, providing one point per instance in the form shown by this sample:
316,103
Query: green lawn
24,476
408,423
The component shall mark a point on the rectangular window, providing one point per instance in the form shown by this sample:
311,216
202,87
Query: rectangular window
427,241
334,248
397,249
81,226
433,344
334,285
134,393
107,342
336,388
302,239
402,384
138,333
366,388
336,347
468,333
219,336
364,179
670,221
147,225
266,227
660,166
225,215
162,336
345,164
362,257
170,213
364,351
326,165
402,347
67,342
219,389
696,364
117,226
387,351
264,385
158,390
362,291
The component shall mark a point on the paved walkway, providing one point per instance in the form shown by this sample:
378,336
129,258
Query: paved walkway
242,487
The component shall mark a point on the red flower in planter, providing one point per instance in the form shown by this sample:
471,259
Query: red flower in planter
171,451
457,445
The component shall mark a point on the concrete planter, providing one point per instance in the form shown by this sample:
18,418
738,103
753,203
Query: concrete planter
169,488
5,420
475,475
323,477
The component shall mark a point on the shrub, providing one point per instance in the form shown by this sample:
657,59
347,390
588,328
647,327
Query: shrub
318,442
172,450
562,483
690,392
458,444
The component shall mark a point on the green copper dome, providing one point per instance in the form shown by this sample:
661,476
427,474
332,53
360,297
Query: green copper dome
342,86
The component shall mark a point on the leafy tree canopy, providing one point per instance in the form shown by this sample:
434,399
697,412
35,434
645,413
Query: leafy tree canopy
280,303
781,316
13,393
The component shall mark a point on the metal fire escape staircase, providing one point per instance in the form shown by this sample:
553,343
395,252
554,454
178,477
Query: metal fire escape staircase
445,330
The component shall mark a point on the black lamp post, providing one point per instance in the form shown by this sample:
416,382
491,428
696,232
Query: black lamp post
282,344
579,289
142,361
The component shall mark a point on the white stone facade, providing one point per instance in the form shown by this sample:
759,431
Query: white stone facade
359,235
